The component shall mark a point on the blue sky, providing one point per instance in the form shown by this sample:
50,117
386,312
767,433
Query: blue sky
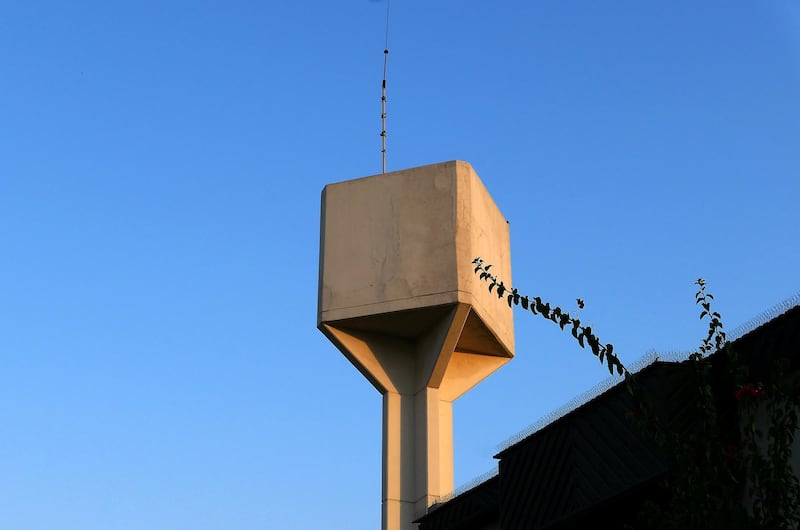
161,165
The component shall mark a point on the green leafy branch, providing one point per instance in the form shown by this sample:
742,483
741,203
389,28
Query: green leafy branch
716,338
583,334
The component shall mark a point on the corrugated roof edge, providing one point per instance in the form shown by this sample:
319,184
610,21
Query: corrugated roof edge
464,488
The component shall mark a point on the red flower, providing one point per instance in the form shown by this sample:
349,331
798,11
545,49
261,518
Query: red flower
756,391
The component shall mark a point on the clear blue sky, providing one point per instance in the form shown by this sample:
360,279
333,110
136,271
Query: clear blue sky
161,164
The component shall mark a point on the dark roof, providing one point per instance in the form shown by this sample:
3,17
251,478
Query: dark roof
475,507
779,337
593,456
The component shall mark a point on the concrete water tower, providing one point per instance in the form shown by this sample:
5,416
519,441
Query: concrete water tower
398,297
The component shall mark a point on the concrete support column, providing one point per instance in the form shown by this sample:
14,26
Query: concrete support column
398,456
417,455
434,448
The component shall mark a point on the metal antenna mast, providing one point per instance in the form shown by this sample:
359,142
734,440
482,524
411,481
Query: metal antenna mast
383,94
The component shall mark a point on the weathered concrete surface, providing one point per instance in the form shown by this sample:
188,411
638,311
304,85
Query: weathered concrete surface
405,240
399,298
